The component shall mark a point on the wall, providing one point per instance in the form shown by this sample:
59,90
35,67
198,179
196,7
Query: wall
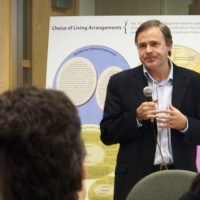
176,7
86,7
40,30
141,7
128,7
194,9
8,55
39,12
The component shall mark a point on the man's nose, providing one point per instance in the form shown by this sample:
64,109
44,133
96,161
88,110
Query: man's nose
148,49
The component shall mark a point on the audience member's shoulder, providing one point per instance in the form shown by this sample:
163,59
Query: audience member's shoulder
194,191
189,196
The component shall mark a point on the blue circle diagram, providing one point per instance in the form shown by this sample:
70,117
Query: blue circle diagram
83,76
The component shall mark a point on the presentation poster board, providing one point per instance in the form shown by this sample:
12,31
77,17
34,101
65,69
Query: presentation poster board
84,52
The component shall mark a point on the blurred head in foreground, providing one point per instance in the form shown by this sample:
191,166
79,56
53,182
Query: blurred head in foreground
41,150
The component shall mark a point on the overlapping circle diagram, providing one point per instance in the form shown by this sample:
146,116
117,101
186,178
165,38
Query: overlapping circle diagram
186,57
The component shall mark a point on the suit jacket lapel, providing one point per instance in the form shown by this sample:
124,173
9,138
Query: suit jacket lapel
180,83
139,82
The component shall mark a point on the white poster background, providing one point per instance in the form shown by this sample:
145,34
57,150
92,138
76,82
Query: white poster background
84,52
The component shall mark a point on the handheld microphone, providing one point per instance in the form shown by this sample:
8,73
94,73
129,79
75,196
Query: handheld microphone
148,94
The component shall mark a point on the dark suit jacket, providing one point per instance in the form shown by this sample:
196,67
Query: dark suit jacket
137,145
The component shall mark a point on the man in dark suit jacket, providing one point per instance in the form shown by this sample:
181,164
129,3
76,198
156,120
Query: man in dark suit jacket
126,120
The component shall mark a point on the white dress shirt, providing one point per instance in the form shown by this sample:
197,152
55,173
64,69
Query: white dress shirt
162,91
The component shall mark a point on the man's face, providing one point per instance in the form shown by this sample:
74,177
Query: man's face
152,48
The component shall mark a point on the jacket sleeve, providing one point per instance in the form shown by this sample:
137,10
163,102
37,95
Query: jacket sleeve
119,118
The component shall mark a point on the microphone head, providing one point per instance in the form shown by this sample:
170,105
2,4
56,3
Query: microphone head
148,91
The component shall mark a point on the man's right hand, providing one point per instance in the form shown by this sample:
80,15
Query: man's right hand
147,110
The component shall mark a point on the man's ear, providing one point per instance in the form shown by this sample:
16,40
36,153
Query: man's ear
169,45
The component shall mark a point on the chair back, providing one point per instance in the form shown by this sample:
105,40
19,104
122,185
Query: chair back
162,185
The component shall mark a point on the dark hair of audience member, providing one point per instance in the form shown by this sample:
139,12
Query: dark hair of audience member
195,186
41,151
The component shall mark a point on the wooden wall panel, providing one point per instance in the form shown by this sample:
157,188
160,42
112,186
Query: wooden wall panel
128,7
194,9
4,44
41,12
178,7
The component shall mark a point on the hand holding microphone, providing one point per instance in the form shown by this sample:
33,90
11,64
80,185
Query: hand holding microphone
148,94
147,110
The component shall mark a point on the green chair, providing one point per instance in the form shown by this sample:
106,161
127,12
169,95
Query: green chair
162,185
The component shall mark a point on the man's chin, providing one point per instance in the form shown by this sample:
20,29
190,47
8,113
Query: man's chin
150,65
